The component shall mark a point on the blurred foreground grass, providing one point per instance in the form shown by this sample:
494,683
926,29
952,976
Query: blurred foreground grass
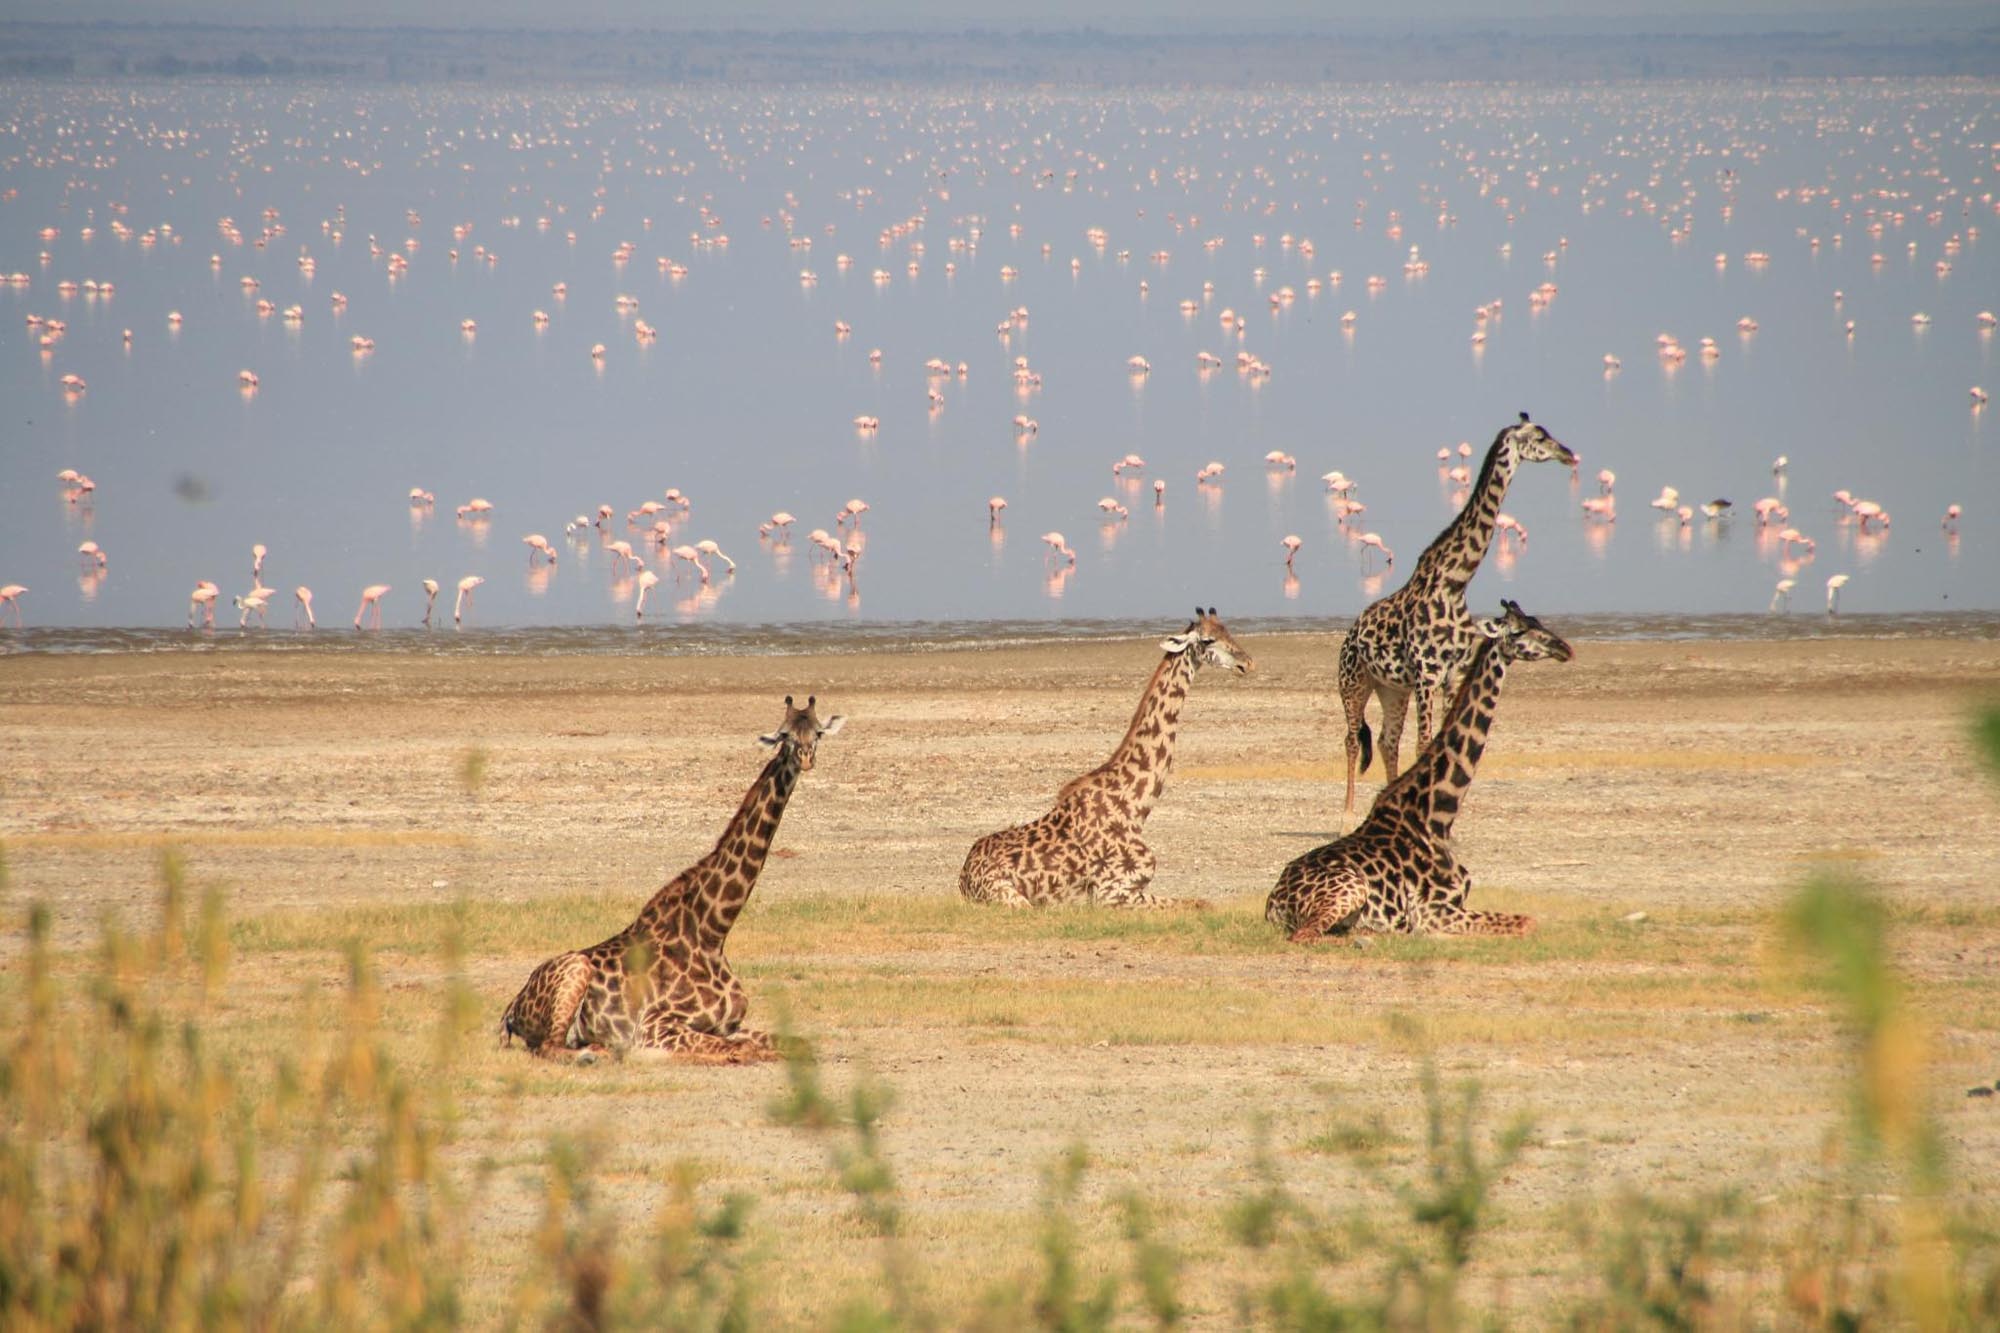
169,1161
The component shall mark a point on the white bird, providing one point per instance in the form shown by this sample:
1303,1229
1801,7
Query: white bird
1833,587
1782,596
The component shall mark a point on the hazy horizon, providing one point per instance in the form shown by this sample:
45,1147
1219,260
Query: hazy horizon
1153,17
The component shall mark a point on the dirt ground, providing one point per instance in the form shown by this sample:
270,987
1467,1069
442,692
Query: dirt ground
1696,782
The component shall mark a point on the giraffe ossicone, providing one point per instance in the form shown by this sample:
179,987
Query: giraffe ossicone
1418,639
1398,873
663,984
1088,847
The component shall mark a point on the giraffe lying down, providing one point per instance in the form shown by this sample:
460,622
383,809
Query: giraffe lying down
662,984
1398,873
1088,848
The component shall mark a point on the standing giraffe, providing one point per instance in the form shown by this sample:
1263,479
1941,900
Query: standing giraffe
1418,638
1398,872
1088,847
662,984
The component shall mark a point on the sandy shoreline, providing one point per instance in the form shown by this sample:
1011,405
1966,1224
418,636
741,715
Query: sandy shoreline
1694,781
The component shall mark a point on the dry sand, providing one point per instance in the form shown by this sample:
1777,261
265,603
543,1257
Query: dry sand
1694,781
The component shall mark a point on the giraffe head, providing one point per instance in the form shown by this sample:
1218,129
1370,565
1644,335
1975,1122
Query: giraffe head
1209,640
1524,638
1532,444
801,732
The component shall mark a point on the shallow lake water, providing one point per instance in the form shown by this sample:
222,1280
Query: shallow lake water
1492,245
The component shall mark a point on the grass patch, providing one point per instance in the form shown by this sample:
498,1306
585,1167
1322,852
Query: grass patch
85,841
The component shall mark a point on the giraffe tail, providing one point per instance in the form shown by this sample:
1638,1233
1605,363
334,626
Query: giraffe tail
1367,748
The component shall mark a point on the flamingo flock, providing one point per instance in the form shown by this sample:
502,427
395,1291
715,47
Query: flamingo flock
1251,301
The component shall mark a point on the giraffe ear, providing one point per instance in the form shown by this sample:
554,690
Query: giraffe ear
1524,418
833,724
1179,643
771,739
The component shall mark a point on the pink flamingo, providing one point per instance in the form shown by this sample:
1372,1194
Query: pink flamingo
1867,511
1291,543
604,513
11,596
708,548
371,596
538,545
250,604
1159,494
201,602
1791,537
257,554
91,551
1604,507
1373,540
1130,461
1509,526
475,509
421,498
1059,548
1770,509
850,513
1668,499
1951,514
781,523
693,557
1606,479
647,580
430,600
993,508
465,587
621,554
304,596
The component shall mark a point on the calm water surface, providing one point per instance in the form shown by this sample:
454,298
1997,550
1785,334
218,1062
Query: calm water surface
1586,222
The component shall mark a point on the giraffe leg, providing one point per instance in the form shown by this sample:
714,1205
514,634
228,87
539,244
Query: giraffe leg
1323,908
543,1013
667,1036
1354,704
1395,702
1465,921
1125,876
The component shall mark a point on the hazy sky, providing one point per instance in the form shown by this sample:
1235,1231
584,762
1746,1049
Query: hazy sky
1122,15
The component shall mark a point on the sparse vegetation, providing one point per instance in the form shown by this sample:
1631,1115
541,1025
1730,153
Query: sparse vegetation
150,1176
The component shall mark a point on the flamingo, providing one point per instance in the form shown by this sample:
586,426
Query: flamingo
1507,525
249,604
1791,537
371,596
430,600
1291,543
1668,499
993,508
91,551
1058,547
1781,596
304,596
647,579
782,523
257,554
1374,541
693,556
11,596
621,554
1606,479
1867,511
475,508
539,545
464,599
1604,507
709,548
201,602
421,498
1159,494
850,513
1833,587
1951,514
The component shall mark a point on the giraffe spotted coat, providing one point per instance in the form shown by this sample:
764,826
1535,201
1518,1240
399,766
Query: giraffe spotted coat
1418,639
663,984
1088,847
1398,873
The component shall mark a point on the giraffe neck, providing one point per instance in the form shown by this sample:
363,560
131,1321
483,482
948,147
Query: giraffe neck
1446,767
719,884
1454,557
1140,764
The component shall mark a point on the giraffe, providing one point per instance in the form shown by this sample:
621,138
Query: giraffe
1088,847
662,984
1418,638
1398,872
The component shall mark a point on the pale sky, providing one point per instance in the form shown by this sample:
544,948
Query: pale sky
1153,16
